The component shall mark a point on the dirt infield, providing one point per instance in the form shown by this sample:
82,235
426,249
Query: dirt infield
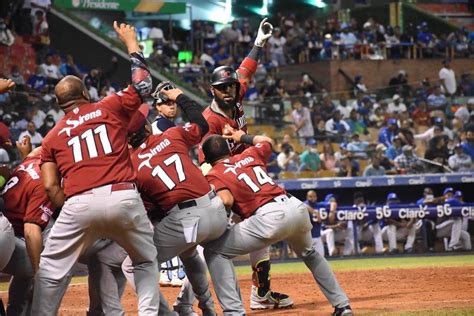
371,291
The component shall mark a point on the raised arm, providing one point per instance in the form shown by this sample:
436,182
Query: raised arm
141,77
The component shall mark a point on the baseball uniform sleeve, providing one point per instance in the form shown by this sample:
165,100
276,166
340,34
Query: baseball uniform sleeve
216,182
190,134
39,208
46,154
246,70
126,101
262,151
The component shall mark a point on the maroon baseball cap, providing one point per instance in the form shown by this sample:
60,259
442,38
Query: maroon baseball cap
138,119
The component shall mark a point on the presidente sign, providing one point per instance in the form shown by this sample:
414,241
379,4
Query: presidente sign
153,6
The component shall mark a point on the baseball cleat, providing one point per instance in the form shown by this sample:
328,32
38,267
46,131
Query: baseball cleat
343,311
271,300
176,283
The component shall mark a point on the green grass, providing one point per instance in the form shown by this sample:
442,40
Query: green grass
373,264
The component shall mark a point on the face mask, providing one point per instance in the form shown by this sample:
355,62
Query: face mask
313,150
50,124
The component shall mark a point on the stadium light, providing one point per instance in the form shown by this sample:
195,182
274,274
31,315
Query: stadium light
317,3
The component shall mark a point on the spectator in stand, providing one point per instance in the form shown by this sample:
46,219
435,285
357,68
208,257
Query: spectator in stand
48,124
466,85
41,40
358,148
39,5
337,127
327,109
343,107
377,118
357,124
31,132
295,35
392,41
207,60
245,39
437,152
359,86
329,159
38,116
272,166
405,133
92,78
93,92
106,89
302,121
6,36
277,48
468,144
156,33
437,100
209,34
408,162
348,41
396,106
387,133
307,84
399,83
438,128
374,169
282,89
50,70
460,161
231,34
68,67
447,78
55,112
38,81
17,77
347,167
288,160
421,114
222,58
395,149
425,40
309,158
464,112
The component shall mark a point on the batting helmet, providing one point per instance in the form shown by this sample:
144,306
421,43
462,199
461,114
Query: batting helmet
160,98
224,75
214,148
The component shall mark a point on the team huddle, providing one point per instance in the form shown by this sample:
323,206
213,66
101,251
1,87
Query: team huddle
127,197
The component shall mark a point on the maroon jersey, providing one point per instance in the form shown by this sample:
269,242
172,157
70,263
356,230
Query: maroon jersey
25,199
89,144
166,175
217,121
245,176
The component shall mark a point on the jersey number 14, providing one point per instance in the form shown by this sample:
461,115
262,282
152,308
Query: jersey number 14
260,174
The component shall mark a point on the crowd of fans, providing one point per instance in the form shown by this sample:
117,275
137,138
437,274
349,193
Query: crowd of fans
419,128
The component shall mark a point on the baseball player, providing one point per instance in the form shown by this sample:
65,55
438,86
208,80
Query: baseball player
88,149
313,209
228,88
269,215
398,229
187,208
172,273
337,230
29,210
7,235
368,229
452,226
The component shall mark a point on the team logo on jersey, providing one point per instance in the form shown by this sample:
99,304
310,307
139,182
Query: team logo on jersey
151,153
233,167
47,213
72,124
30,170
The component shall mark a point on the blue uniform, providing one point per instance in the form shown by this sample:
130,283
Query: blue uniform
316,231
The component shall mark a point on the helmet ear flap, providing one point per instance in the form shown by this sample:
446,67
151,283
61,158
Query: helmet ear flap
161,97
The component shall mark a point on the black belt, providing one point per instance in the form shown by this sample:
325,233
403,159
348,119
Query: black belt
191,203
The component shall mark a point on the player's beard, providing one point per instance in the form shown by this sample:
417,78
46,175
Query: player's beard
225,105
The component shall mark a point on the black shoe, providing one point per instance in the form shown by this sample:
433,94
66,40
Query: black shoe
393,251
409,250
343,311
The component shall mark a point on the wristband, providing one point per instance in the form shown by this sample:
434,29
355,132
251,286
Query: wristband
247,139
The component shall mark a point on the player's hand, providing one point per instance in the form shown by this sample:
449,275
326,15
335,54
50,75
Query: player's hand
172,94
128,36
24,146
264,33
231,133
6,85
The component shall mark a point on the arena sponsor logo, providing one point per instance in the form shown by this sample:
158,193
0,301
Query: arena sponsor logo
407,213
151,153
96,4
443,179
467,179
309,185
238,164
346,215
337,184
467,211
363,184
72,124
383,212
391,181
415,181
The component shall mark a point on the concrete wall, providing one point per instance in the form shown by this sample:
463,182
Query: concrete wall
375,73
